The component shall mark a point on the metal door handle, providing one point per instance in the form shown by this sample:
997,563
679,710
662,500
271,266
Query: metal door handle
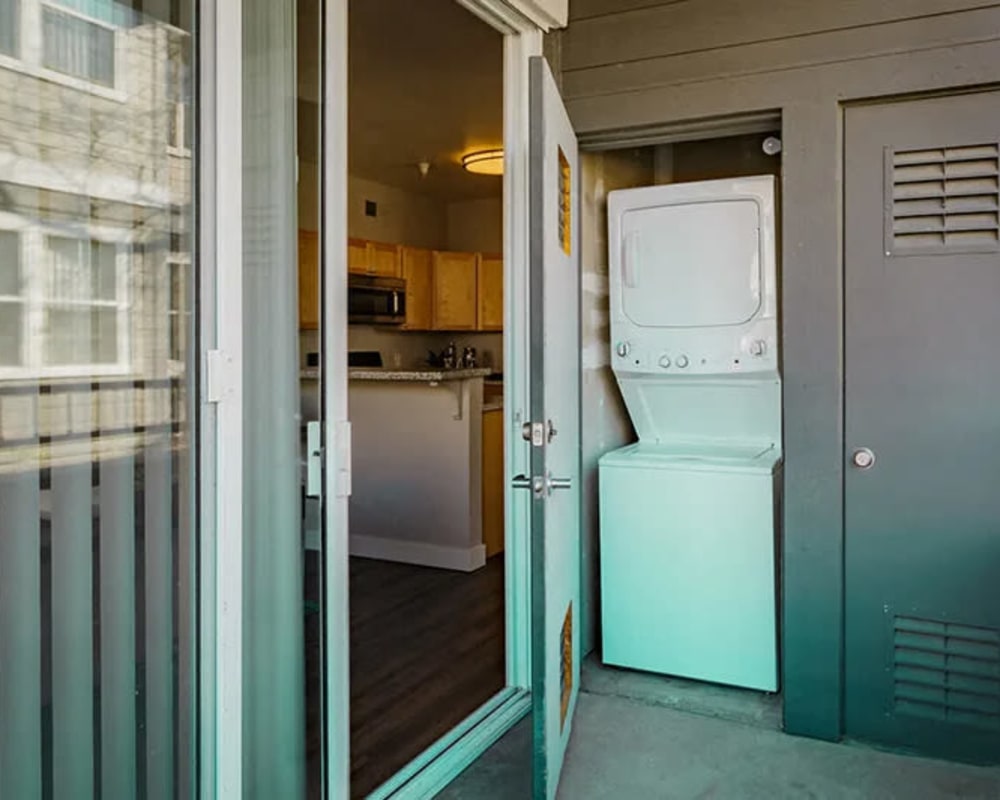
521,482
863,458
541,486
314,459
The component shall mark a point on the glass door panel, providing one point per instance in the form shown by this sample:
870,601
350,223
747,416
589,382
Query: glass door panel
97,365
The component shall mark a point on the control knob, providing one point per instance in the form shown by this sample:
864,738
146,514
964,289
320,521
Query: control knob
623,349
682,361
665,361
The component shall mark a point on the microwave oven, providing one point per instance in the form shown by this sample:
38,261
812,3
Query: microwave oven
376,300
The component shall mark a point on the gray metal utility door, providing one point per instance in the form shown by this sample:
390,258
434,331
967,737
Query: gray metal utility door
922,425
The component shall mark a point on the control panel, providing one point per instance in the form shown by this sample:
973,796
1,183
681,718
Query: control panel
677,355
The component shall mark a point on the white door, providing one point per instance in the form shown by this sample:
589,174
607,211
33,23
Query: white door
555,429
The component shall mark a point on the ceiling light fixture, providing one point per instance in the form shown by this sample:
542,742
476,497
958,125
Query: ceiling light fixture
484,162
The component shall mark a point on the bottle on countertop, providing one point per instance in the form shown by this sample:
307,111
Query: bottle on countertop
449,357
469,358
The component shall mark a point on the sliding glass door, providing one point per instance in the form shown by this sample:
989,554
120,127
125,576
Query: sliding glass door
97,380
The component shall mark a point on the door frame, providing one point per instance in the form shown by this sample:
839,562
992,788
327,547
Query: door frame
433,769
219,348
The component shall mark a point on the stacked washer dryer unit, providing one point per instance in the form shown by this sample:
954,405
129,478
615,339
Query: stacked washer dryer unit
689,513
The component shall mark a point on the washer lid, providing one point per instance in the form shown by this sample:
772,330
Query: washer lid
696,456
692,264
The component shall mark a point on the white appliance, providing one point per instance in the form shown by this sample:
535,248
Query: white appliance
688,514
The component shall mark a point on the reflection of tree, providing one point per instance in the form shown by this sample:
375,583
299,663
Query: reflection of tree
95,163
82,140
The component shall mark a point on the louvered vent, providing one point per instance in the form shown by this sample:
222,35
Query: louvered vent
945,200
947,672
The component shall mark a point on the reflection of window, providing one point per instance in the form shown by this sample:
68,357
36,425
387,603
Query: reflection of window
178,93
177,310
77,46
12,316
9,26
81,302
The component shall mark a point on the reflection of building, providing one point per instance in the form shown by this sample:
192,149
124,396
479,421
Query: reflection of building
95,176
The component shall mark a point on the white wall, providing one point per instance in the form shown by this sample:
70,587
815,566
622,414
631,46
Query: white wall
403,217
476,225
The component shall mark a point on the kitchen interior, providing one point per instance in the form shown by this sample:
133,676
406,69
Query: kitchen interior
425,367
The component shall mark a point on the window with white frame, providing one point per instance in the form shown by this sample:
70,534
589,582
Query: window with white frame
81,301
77,46
64,305
10,26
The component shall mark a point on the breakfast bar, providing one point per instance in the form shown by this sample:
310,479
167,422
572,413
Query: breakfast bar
417,466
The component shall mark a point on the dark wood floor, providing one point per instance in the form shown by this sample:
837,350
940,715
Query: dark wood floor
427,649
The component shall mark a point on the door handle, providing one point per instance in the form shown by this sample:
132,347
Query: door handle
314,459
540,486
863,458
630,260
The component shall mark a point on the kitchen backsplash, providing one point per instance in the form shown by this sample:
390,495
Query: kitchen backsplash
408,349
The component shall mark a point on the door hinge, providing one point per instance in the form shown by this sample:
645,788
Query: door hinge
342,449
220,376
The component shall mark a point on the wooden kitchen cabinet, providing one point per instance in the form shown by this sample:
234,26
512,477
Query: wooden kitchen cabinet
373,258
489,293
493,509
308,279
418,272
357,257
454,297
383,259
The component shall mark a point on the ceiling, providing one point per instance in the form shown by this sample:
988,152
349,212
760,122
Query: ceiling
425,84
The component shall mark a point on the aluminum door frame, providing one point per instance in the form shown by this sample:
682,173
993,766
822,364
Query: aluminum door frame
444,760
220,397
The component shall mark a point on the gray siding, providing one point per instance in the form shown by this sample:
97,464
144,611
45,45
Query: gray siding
628,64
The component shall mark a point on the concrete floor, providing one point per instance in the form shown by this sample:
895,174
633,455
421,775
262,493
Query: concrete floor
638,736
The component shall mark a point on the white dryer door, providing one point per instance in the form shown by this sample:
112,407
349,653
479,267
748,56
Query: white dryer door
692,264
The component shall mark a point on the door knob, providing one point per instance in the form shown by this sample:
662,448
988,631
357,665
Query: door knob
863,458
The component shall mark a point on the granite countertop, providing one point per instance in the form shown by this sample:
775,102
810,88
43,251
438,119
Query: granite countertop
421,375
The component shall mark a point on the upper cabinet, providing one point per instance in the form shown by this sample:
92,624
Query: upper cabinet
372,258
308,279
489,292
357,256
454,299
418,272
384,259
445,291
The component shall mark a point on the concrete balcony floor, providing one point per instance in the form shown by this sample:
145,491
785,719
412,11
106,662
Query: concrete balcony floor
640,736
